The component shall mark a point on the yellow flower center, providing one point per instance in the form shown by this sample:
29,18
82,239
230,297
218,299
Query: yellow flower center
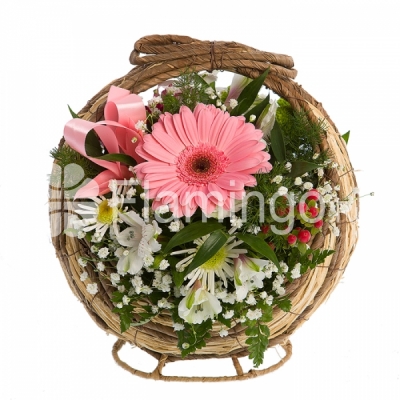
105,213
216,261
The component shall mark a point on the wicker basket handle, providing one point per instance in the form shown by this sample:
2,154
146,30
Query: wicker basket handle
157,373
183,51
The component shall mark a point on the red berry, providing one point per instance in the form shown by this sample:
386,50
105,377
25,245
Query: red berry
282,212
314,211
292,239
270,244
304,236
265,229
302,208
318,224
313,194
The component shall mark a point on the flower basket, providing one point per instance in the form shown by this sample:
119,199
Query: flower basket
158,59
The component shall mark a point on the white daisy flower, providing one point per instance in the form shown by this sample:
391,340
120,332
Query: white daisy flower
220,264
100,216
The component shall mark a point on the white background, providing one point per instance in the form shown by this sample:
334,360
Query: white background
54,53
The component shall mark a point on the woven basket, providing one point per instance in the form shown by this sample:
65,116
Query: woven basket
156,59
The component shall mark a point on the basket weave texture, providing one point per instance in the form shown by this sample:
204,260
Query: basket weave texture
156,59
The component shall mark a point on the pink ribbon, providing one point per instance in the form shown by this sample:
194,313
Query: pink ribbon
117,133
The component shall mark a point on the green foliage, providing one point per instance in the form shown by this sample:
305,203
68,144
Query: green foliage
208,249
346,137
277,143
283,303
125,317
308,258
191,232
191,92
258,334
259,245
74,168
193,336
249,95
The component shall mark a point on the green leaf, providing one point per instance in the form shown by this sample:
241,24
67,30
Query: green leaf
208,249
346,136
284,304
192,232
249,94
277,143
260,246
74,115
258,344
301,167
258,109
125,322
314,230
302,247
178,277
92,145
124,158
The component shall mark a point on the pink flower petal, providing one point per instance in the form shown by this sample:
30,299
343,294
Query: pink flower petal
169,127
172,145
156,167
216,127
159,152
243,165
228,182
178,124
227,133
204,122
215,191
245,150
189,124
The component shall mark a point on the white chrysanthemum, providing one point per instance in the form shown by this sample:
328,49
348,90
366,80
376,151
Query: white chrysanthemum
219,265
102,215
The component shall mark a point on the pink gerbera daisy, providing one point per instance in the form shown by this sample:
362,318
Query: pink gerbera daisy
200,159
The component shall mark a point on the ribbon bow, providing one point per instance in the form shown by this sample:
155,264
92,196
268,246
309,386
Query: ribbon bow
117,133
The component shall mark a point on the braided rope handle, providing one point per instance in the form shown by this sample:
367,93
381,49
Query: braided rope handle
158,58
156,374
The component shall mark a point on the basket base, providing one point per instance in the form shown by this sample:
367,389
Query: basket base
157,375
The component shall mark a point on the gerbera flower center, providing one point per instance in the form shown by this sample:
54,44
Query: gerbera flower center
199,165
105,213
216,261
